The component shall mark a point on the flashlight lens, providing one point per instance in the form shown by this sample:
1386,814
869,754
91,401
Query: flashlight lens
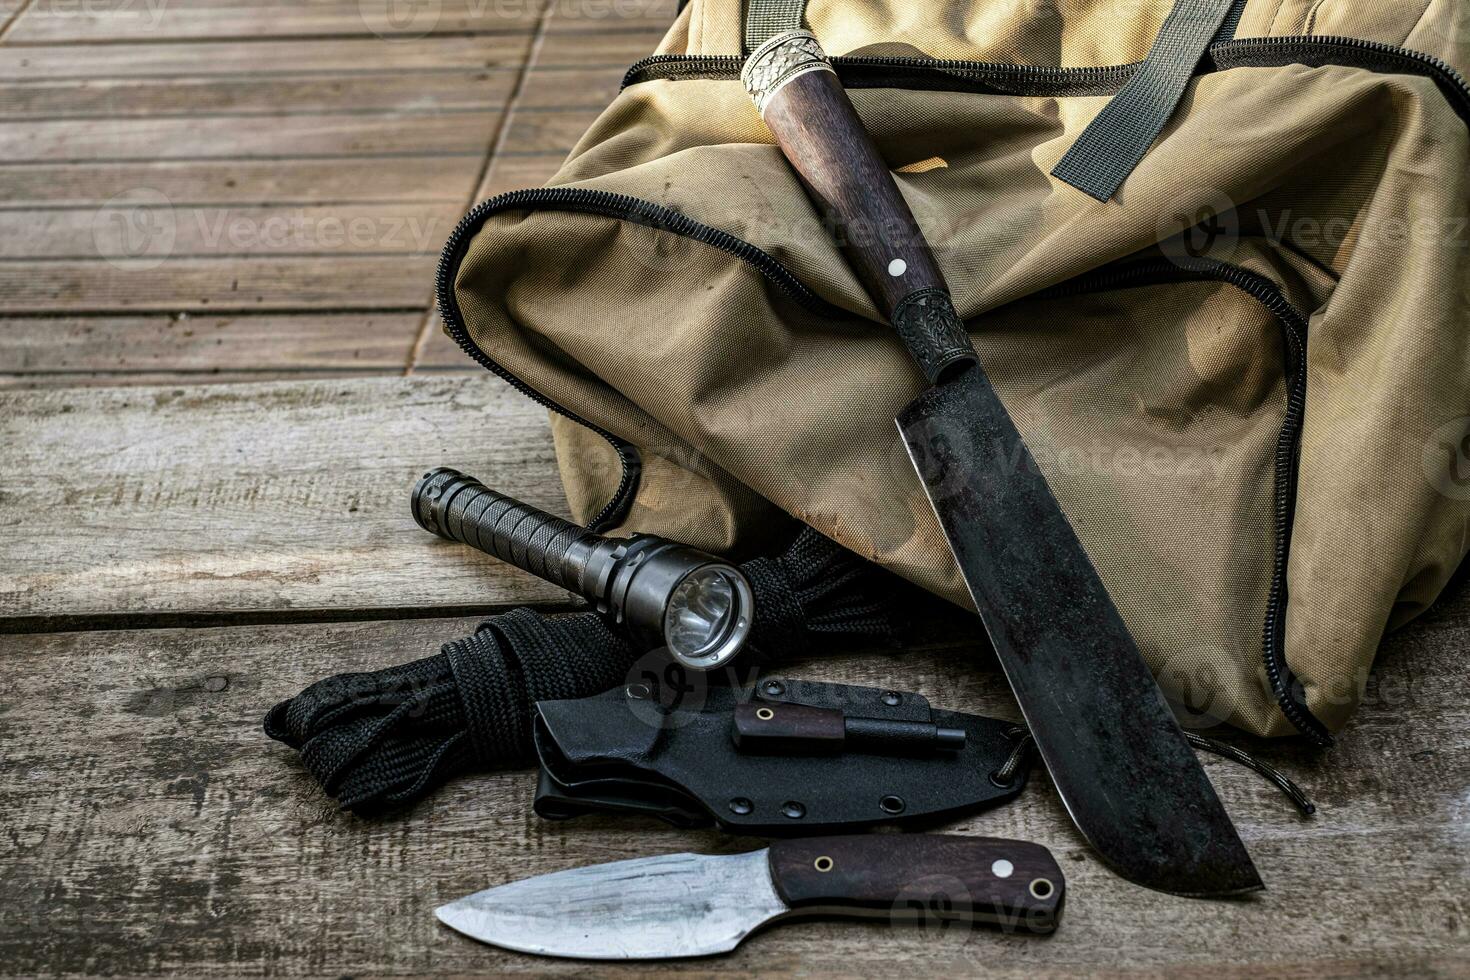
701,612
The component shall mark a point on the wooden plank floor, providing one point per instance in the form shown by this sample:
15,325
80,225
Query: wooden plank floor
177,180
152,829
207,435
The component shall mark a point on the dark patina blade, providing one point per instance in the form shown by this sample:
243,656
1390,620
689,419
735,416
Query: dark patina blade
1117,756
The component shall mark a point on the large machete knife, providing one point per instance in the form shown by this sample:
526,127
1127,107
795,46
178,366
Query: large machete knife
1117,756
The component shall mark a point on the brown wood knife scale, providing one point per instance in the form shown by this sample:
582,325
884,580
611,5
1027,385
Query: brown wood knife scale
805,106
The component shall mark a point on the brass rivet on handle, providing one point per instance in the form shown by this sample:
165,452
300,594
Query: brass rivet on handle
823,864
764,714
1041,888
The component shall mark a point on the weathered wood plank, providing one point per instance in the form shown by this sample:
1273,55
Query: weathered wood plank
536,144
113,231
256,57
147,81
313,94
591,87
221,374
511,173
262,284
252,137
240,500
56,351
547,132
152,829
440,353
217,182
153,20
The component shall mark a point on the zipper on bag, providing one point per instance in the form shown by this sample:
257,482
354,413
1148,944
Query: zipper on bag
1001,78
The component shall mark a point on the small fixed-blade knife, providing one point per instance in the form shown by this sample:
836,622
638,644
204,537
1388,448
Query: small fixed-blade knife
700,904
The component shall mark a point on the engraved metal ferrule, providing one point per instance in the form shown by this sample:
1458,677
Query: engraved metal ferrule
778,61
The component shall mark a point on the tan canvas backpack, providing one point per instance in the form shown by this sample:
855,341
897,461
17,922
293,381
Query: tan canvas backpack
1246,373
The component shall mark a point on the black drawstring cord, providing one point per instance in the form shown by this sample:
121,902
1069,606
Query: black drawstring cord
1006,774
1292,790
1008,769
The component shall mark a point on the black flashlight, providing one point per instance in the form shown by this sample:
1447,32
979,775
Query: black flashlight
668,594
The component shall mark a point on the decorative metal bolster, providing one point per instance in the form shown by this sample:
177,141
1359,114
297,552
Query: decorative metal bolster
934,333
778,61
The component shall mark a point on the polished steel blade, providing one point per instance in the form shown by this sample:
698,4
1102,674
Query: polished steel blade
646,908
1117,756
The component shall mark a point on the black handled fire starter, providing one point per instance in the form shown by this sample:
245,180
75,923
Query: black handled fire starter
768,727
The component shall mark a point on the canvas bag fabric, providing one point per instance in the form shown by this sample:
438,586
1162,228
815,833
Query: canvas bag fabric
1247,376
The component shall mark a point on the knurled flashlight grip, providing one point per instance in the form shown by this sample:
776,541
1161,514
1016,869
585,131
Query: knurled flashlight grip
461,508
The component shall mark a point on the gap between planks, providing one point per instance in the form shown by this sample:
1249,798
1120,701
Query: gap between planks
497,144
11,17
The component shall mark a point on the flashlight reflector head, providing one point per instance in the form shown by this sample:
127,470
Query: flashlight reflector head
708,616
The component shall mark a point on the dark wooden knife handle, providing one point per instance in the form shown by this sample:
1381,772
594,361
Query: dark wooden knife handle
796,728
1012,884
814,123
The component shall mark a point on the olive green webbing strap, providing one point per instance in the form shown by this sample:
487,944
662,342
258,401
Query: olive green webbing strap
1112,145
1232,21
764,19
